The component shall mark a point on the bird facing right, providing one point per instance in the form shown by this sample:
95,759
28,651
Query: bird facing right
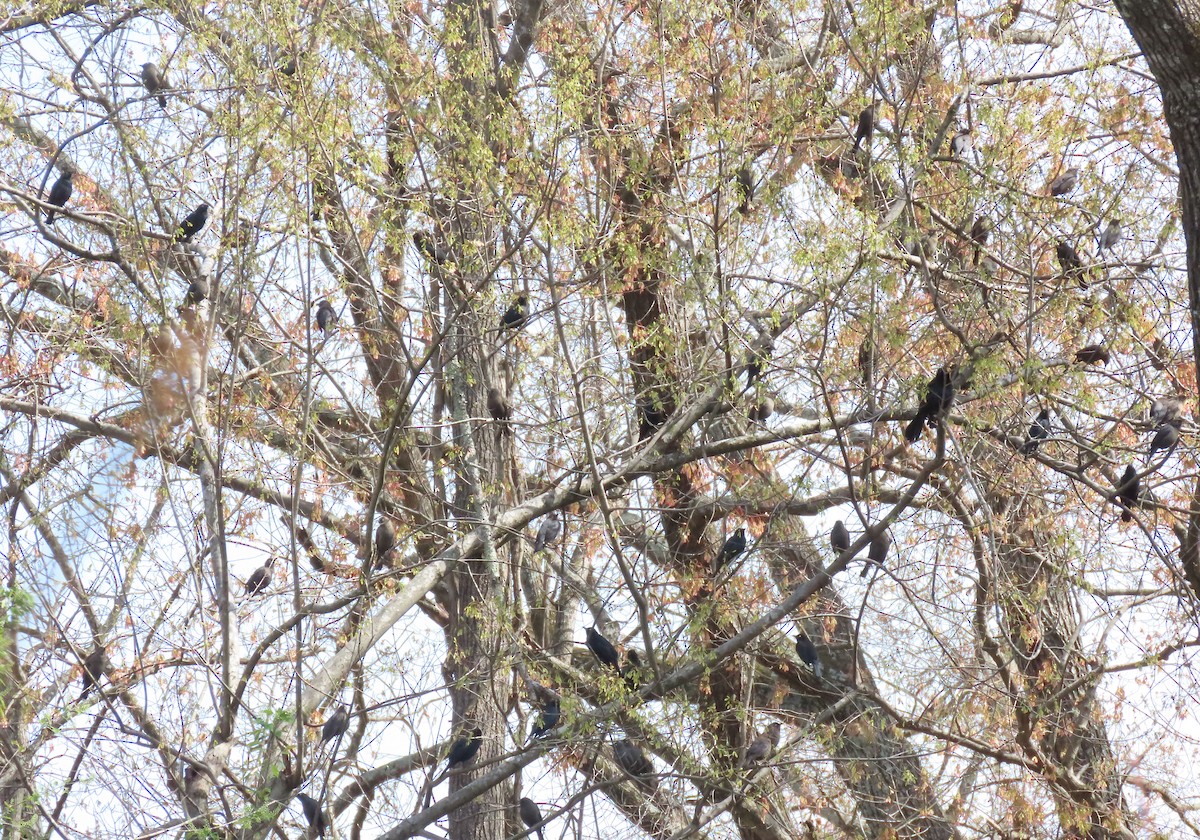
192,224
877,553
1039,430
336,726
548,531
59,193
326,317
603,649
155,82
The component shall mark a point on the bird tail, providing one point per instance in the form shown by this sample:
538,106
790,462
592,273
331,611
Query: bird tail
1029,447
912,432
49,217
162,101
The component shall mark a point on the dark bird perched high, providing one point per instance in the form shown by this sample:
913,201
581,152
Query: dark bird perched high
745,186
192,224
981,230
385,541
730,549
1038,432
839,537
548,719
877,552
1065,182
807,652
762,745
548,531
326,317
633,761
312,813
517,315
1165,437
155,82
1111,235
93,670
336,726
1069,262
865,128
197,291
756,362
59,193
1129,491
431,252
1092,354
259,580
531,815
603,649
937,401
464,748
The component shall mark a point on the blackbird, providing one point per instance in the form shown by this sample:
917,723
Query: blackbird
1065,182
807,652
865,128
59,193
464,748
312,813
938,398
531,815
93,670
336,726
603,649
762,745
547,720
259,580
192,224
1038,432
1092,354
877,552
1111,235
155,82
517,315
326,317
839,537
731,548
1129,491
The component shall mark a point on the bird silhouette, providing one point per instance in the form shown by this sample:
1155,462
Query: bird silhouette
517,315
259,580
1129,491
336,725
960,144
326,317
877,552
939,396
59,193
531,815
548,531
730,549
1039,430
1069,262
762,745
865,128
807,652
1165,437
192,224
603,649
1092,354
745,186
839,538
1111,235
465,748
1065,182
385,541
632,760
313,813
547,720
93,671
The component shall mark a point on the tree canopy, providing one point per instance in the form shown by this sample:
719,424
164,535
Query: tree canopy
414,411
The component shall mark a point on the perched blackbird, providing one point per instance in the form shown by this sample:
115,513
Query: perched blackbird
464,748
1111,235
652,416
960,144
326,317
763,410
498,405
1069,261
93,670
866,127
59,193
762,745
431,252
731,548
1165,438
385,541
745,186
531,815
1092,354
603,649
336,726
1038,432
938,398
192,224
760,355
877,552
632,673
1065,182
517,315
313,813
1129,491
548,532
259,580
839,537
196,292
633,761
547,720
155,82
807,652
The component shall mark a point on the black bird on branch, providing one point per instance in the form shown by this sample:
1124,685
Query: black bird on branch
938,398
465,748
756,363
435,254
1093,354
548,719
1039,430
499,407
730,549
326,317
652,416
93,671
517,315
745,187
981,230
531,815
877,552
313,813
866,127
385,541
807,652
1129,492
59,193
1065,182
762,745
839,538
336,726
197,291
192,224
548,531
155,82
1166,437
603,649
